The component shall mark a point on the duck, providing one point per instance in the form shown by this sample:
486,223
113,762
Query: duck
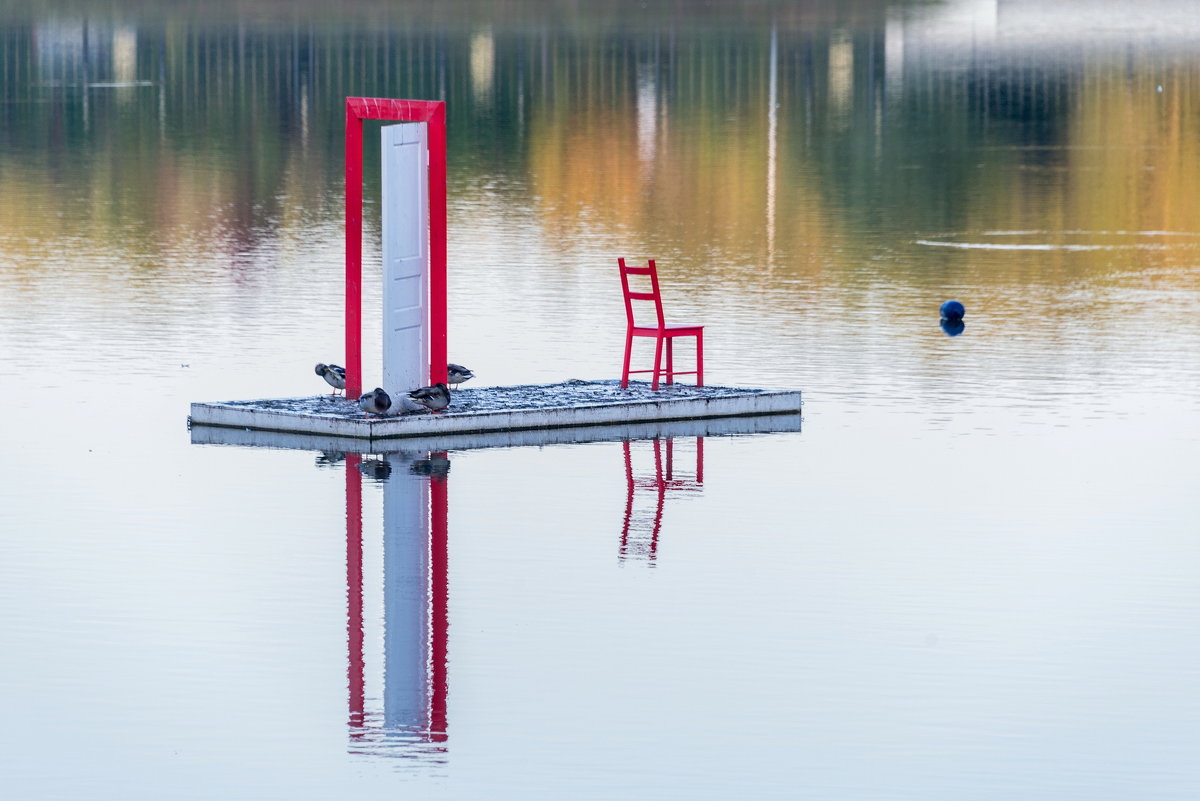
376,402
334,375
456,374
432,398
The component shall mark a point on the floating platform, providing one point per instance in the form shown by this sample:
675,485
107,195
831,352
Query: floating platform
538,407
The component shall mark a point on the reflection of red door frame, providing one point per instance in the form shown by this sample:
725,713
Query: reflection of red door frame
354,595
433,113
439,590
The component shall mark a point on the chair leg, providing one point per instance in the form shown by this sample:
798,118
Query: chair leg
700,358
629,487
625,366
658,343
670,362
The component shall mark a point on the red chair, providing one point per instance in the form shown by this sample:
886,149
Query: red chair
661,332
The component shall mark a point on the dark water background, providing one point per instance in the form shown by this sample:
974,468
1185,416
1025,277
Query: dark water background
971,575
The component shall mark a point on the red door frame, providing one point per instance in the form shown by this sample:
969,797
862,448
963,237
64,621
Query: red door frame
433,113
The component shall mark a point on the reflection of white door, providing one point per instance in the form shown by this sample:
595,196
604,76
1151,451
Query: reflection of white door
405,162
406,601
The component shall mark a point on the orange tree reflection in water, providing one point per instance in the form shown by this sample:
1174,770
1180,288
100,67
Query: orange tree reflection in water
661,136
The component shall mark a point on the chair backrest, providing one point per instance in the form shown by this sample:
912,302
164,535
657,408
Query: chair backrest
630,296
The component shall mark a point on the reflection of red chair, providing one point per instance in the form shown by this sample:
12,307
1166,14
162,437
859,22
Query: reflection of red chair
661,332
639,533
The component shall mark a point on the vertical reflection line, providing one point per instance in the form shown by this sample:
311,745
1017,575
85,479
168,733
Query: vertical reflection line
354,595
439,591
162,87
629,486
772,139
87,79
660,486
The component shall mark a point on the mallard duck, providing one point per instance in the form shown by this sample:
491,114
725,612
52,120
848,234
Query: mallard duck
376,402
456,374
432,398
334,375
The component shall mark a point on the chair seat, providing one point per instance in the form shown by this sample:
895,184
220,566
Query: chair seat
681,329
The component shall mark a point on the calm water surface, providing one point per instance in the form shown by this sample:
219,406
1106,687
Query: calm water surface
971,575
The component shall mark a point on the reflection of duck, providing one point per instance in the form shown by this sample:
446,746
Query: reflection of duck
434,467
375,402
330,458
378,469
456,374
334,375
432,398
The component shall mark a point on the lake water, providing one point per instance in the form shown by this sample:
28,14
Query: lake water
972,573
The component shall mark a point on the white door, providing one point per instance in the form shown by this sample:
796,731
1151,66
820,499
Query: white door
405,261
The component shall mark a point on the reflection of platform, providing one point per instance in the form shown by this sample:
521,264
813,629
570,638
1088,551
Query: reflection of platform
573,404
206,435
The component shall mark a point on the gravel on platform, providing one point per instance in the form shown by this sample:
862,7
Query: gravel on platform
571,393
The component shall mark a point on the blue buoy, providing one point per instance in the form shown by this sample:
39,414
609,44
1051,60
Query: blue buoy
953,310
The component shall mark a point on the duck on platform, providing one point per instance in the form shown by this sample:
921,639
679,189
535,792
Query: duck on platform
433,398
334,375
376,402
456,374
